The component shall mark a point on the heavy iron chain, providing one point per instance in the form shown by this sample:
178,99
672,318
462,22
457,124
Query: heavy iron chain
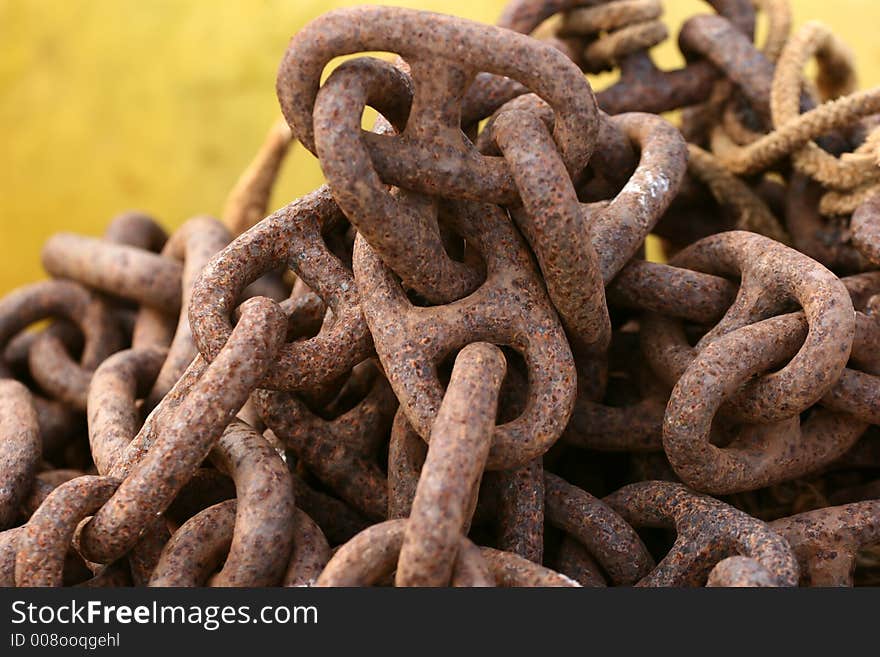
452,364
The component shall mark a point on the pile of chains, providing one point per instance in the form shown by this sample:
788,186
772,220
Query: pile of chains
453,364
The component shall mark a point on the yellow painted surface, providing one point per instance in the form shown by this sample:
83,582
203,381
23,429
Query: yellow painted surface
107,105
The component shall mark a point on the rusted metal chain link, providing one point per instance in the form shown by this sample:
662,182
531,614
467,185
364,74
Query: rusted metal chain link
20,448
621,32
450,477
291,237
155,479
492,314
826,541
707,531
453,364
342,452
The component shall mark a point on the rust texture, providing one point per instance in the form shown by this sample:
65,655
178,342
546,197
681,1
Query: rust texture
453,364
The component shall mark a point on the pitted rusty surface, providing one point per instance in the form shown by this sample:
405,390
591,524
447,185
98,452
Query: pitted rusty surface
8,552
607,537
343,452
826,541
437,79
620,33
44,541
520,510
185,441
291,237
20,448
406,457
428,43
730,50
619,229
113,414
740,572
865,226
311,552
261,525
373,554
856,392
64,300
552,216
450,477
198,548
262,538
193,244
382,217
715,297
672,291
148,433
760,454
575,562
511,570
415,374
707,531
510,300
773,277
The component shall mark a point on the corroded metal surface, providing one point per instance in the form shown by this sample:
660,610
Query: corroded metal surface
452,365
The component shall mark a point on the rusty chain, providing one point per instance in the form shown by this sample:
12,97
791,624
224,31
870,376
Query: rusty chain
453,364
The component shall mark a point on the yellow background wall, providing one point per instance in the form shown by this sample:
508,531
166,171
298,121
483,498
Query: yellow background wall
107,105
